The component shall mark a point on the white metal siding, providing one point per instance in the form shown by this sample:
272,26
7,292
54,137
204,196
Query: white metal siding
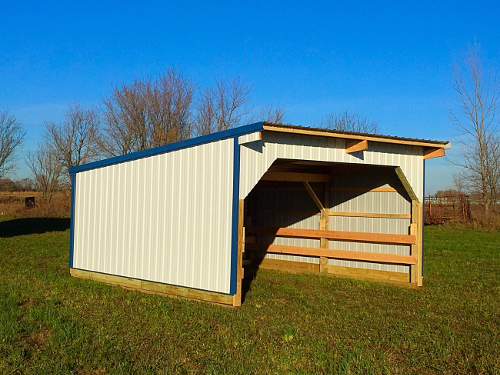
164,218
257,157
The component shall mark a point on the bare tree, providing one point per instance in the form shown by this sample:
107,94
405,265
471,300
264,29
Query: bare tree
275,115
11,137
476,119
351,122
46,168
222,106
75,141
147,113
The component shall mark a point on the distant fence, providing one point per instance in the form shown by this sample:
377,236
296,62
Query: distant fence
439,210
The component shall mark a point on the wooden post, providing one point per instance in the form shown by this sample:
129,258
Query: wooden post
323,225
416,250
241,249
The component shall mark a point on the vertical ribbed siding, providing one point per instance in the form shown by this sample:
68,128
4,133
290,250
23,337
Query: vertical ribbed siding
164,218
257,157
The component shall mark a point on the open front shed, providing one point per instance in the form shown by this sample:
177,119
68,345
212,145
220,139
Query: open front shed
187,218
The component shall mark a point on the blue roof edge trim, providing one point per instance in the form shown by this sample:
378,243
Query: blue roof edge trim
225,134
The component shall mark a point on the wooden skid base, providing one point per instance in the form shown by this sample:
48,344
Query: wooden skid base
155,288
398,278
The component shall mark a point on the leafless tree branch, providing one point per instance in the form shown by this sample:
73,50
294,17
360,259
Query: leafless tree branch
11,138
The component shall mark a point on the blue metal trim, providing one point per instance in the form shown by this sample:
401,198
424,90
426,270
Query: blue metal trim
258,126
234,223
423,222
72,220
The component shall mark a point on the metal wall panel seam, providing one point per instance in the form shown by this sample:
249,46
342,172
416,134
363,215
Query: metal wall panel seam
234,231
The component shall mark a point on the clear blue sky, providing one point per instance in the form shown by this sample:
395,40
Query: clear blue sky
388,60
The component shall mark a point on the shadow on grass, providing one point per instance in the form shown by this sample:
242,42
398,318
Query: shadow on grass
20,227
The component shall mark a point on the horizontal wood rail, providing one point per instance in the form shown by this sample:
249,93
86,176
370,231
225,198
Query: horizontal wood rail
336,254
398,239
382,189
369,214
335,213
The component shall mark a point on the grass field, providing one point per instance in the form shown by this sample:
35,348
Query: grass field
51,323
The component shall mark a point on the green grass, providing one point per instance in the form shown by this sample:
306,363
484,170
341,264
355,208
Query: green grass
51,323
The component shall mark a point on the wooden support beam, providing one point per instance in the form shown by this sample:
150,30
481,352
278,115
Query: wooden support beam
323,225
313,195
295,177
416,249
394,278
336,254
374,138
241,250
406,184
354,146
152,287
431,153
382,189
398,239
335,213
370,214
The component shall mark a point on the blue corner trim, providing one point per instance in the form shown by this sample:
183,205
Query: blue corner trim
72,220
234,223
242,130
423,223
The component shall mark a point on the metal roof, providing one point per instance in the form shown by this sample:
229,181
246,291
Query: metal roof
356,135
251,128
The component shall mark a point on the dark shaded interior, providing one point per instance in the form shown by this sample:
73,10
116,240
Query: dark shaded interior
292,199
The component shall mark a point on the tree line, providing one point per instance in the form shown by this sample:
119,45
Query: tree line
136,116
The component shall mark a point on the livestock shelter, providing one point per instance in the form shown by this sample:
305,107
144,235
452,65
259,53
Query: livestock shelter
189,218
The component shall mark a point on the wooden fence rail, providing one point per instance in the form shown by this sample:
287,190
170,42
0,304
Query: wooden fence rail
336,254
381,238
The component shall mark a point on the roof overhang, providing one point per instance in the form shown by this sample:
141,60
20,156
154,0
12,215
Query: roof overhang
362,138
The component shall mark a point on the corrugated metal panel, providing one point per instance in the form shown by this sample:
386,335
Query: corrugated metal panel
257,157
252,137
165,218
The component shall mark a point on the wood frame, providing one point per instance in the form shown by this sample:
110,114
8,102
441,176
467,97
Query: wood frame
382,139
382,238
336,254
355,146
338,213
396,278
416,228
381,189
431,153
150,287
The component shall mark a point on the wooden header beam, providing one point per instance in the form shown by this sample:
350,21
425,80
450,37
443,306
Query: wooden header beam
336,254
398,239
